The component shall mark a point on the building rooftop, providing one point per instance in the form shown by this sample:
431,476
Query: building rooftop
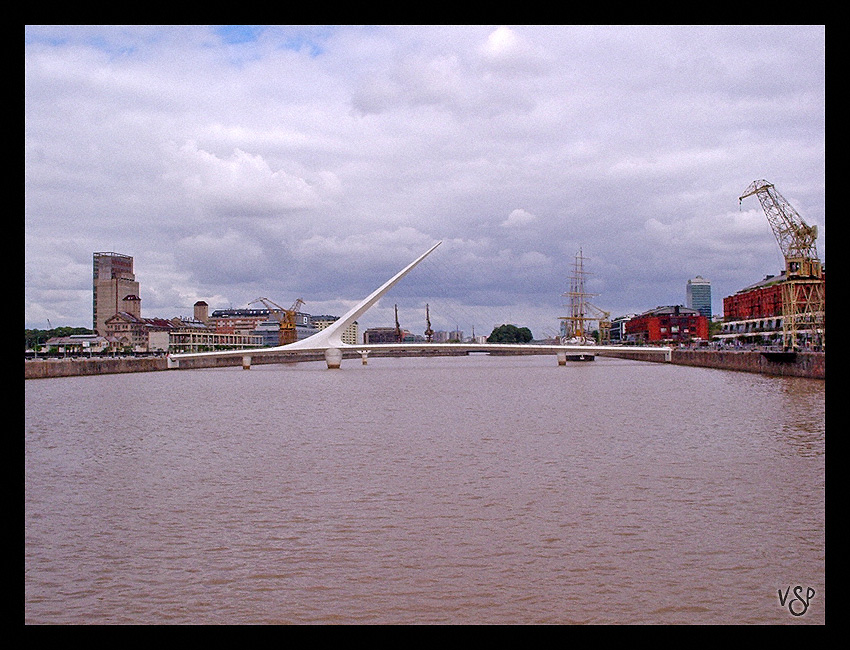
671,309
766,282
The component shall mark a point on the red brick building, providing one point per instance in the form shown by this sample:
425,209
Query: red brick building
675,324
754,314
760,300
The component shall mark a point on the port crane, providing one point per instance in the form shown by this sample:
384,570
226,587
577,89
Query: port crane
429,333
399,337
803,291
284,317
604,320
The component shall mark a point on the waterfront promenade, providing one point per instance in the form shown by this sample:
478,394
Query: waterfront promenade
801,364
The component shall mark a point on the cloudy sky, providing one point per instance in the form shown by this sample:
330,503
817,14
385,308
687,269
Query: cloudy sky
234,162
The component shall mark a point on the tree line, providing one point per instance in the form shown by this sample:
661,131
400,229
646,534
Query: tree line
40,337
510,334
501,334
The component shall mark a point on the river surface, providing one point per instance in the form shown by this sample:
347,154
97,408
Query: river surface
460,490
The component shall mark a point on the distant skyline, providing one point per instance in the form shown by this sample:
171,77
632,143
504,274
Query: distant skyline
313,162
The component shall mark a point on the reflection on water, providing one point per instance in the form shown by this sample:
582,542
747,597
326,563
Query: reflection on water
448,490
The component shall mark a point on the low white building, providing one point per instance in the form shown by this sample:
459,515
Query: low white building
81,344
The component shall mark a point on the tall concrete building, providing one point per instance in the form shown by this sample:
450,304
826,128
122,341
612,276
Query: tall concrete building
699,296
112,282
202,311
349,335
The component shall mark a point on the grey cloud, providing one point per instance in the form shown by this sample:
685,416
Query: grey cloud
316,162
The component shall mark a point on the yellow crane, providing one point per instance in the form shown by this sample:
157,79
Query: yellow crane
284,317
604,320
803,291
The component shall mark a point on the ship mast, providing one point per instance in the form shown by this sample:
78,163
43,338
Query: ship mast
575,325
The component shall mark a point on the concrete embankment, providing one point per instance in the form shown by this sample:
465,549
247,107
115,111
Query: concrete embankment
44,368
801,364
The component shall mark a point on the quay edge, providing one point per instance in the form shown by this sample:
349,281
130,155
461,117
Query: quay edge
801,364
48,368
794,364
811,365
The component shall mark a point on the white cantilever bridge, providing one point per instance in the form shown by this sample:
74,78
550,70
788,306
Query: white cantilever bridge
329,340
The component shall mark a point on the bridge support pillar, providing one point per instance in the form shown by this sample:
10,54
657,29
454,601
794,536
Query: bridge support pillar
246,362
364,355
333,357
562,357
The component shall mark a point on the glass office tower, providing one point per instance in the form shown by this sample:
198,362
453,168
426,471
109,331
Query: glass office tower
699,296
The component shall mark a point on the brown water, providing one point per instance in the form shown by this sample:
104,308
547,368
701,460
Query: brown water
448,490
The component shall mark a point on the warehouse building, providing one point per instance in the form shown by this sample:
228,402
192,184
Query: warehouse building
755,313
672,324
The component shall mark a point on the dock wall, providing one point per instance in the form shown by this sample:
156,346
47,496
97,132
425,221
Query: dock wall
44,368
803,364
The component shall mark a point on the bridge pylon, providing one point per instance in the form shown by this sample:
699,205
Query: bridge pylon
333,357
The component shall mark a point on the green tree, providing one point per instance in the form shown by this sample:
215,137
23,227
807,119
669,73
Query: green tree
510,334
714,328
39,337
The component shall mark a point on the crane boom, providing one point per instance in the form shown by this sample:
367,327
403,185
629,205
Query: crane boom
795,237
272,306
285,317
